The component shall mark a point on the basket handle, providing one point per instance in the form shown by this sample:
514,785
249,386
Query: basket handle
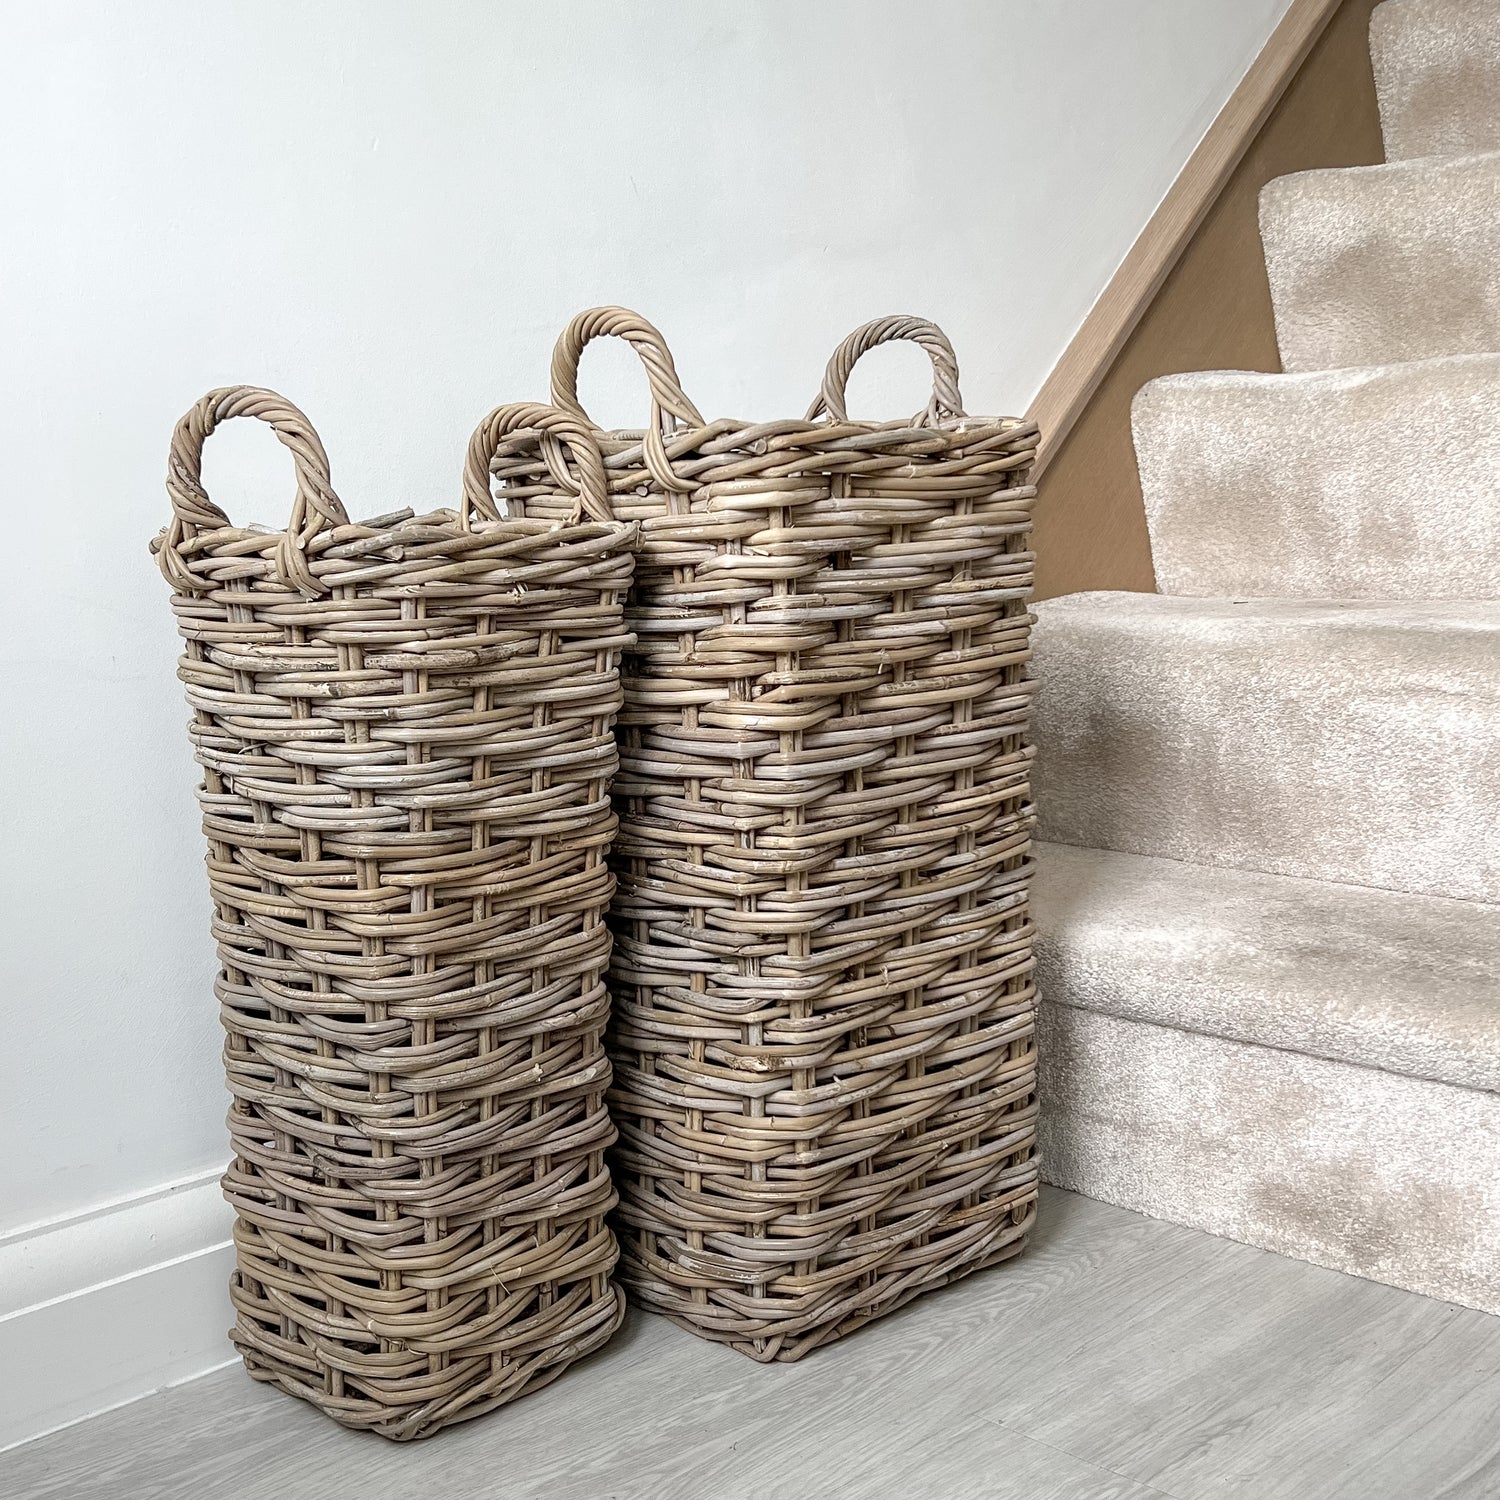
670,406
554,426
945,400
314,508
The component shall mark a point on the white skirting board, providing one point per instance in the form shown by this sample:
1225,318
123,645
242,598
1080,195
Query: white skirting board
104,1306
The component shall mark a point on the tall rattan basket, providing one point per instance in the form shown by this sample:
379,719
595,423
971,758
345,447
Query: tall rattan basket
405,733
823,1025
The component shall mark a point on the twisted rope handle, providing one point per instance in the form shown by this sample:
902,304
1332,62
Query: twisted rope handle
945,400
670,407
553,425
314,508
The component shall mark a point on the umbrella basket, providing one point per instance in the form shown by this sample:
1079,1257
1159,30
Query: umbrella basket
823,1003
405,727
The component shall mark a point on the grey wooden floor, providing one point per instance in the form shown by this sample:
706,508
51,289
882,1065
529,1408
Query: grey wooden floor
1118,1359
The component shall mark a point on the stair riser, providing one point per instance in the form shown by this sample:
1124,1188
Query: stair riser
1385,1177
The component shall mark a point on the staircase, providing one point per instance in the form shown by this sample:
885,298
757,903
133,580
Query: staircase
1269,887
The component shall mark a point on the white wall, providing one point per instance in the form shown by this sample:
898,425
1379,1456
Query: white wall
386,211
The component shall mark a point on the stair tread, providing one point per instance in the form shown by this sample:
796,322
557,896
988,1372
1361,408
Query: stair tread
1337,740
1409,984
1437,76
1375,265
1372,482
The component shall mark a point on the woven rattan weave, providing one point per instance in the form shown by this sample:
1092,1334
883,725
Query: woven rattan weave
405,733
822,1038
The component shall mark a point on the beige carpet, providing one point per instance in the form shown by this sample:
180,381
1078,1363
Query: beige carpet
1371,1172
1370,265
1374,483
1345,972
1269,914
1355,741
1437,76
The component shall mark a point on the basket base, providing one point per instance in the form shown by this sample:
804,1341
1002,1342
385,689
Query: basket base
468,1387
810,1330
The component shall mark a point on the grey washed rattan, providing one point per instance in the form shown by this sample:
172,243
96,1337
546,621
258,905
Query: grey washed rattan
405,733
822,1034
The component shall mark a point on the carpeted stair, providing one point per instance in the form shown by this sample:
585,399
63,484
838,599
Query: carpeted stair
1355,741
1437,76
1371,265
1269,892
1374,483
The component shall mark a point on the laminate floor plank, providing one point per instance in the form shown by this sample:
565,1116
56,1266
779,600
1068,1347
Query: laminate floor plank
1432,1424
1227,1373
1119,1359
987,1461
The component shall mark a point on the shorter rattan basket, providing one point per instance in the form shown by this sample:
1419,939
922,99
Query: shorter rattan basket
823,1001
405,733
